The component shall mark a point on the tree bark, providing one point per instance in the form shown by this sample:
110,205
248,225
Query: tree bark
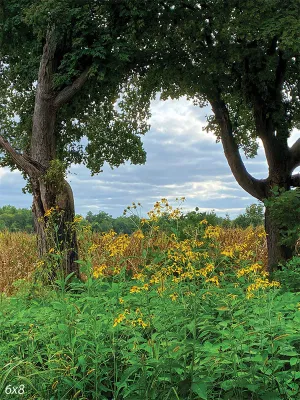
255,187
55,195
54,212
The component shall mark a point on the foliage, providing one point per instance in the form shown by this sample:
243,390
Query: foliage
289,274
105,122
284,207
103,222
19,256
55,175
20,220
156,318
16,219
254,216
245,53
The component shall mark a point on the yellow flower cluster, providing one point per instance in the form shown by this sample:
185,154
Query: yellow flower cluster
163,207
244,244
139,276
214,280
174,296
174,260
228,252
205,271
92,248
138,289
260,283
77,219
119,319
51,211
115,245
99,270
132,322
140,322
138,234
253,269
182,252
212,232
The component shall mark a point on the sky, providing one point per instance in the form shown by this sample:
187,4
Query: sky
182,161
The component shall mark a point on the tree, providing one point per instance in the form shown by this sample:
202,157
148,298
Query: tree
63,65
126,225
243,58
254,216
101,222
16,219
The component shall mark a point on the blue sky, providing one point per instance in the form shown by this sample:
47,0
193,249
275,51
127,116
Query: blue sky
182,160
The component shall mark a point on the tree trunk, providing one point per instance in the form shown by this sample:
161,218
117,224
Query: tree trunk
53,203
277,253
53,211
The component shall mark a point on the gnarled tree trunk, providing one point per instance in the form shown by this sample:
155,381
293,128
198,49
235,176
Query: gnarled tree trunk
54,212
54,194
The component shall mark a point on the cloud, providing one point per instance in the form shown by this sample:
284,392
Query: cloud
182,160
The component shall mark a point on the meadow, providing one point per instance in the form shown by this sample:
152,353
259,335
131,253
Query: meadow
186,314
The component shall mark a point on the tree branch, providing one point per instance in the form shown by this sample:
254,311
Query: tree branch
45,75
23,162
69,92
255,187
280,72
295,155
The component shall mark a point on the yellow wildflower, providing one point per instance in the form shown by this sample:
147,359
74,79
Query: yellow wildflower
135,289
227,253
119,319
138,234
98,271
174,296
214,280
92,248
203,222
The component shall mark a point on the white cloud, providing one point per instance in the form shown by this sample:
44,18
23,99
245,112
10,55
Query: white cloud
182,160
3,172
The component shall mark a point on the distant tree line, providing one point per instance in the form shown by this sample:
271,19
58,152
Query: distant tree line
20,219
16,219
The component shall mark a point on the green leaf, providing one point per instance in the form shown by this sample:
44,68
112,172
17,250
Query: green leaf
270,396
200,389
58,306
294,361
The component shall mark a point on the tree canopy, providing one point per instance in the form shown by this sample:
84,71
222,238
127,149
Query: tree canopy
242,52
69,93
95,56
242,58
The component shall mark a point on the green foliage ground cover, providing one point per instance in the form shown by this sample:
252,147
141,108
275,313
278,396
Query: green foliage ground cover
233,337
